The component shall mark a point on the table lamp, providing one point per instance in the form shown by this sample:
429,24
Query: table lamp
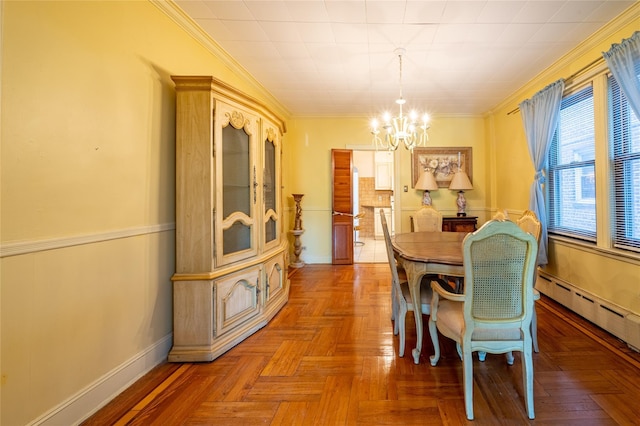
460,183
427,183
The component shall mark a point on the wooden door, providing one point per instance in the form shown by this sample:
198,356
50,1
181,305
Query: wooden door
342,206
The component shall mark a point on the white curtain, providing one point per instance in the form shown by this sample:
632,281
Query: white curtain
621,59
540,119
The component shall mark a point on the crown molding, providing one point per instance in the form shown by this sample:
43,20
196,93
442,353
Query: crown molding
577,54
173,11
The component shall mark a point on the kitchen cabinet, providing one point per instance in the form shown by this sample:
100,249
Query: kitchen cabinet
384,170
378,233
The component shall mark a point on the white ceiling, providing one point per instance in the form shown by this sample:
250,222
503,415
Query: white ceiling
331,58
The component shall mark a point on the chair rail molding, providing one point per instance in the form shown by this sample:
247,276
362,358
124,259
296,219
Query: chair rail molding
34,246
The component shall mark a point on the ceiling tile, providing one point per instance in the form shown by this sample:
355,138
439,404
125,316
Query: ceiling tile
336,57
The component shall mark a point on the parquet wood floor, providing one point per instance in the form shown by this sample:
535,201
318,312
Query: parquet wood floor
330,358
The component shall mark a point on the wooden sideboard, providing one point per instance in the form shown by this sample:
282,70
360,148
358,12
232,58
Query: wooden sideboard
459,224
456,224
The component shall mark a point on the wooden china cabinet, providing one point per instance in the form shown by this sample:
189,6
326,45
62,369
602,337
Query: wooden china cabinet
231,251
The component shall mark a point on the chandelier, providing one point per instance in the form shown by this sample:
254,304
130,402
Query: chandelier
402,128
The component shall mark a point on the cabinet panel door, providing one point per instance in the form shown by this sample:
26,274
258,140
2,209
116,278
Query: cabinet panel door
237,299
271,194
236,183
384,176
378,233
275,280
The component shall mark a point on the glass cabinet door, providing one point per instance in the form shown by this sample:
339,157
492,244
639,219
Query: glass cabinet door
271,185
236,185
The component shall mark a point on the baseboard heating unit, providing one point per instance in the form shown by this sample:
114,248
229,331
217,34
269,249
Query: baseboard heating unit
616,320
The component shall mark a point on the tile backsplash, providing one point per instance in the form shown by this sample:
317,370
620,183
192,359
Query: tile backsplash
369,196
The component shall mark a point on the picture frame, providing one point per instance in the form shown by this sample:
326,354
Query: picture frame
442,162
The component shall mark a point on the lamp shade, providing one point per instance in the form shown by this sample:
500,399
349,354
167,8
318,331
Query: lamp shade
427,182
460,182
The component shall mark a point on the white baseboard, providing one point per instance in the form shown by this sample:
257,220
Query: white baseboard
89,400
316,260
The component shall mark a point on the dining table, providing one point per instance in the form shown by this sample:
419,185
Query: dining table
427,253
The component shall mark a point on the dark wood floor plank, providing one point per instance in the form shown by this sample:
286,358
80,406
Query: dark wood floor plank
287,389
619,407
124,402
334,403
293,413
232,413
176,402
286,359
330,358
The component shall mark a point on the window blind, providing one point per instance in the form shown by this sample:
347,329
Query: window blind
625,158
571,169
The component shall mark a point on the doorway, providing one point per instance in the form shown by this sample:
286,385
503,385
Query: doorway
374,191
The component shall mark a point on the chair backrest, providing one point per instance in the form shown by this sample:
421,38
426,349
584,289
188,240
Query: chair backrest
500,264
529,222
395,280
427,219
357,225
501,215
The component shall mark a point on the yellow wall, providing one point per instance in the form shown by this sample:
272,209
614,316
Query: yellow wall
598,270
309,142
87,188
87,193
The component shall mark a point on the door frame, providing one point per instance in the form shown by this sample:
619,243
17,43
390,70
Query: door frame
397,200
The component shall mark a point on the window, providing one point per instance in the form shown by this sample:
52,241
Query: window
624,129
571,166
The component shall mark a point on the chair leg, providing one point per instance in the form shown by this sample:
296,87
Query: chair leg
467,361
400,323
396,326
459,284
394,304
527,376
483,355
534,330
509,356
433,332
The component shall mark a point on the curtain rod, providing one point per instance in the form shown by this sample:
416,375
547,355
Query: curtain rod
571,77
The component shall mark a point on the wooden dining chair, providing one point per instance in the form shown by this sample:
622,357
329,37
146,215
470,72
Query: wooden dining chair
357,227
529,222
494,313
401,301
427,219
501,215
